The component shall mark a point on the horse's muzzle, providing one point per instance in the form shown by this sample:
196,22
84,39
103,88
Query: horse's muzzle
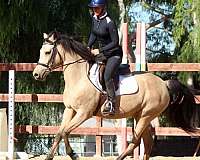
40,75
36,76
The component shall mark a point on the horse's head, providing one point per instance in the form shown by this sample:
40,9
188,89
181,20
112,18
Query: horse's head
50,57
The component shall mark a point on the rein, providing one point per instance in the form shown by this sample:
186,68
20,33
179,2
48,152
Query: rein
68,64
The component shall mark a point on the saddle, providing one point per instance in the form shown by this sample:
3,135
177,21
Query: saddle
124,69
124,80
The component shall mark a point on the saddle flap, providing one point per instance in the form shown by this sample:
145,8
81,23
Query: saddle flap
127,83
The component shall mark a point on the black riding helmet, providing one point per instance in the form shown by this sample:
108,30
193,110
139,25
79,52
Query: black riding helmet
97,3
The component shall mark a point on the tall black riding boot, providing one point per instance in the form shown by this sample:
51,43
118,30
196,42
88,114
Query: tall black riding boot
111,100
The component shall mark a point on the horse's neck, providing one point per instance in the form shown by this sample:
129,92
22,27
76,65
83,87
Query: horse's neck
75,74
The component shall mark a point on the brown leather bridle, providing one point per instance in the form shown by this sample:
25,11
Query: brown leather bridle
54,51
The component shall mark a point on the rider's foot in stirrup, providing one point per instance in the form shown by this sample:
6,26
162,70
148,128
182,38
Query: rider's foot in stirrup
109,108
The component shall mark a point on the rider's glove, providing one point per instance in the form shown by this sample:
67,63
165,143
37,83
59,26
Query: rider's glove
100,58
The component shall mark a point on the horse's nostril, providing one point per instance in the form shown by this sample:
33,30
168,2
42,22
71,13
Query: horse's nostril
36,75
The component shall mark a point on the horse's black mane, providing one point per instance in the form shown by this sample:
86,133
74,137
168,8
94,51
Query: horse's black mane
72,46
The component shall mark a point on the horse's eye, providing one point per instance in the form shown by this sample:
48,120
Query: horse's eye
47,52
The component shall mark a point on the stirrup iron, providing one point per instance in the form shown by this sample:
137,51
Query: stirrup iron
108,109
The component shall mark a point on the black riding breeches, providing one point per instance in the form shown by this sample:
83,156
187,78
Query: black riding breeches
111,68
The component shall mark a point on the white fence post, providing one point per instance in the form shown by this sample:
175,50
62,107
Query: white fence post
11,114
140,55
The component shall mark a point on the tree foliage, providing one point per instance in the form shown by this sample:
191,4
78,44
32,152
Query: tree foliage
186,33
186,30
20,22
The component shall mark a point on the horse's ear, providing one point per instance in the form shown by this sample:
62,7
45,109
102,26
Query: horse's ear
45,36
56,35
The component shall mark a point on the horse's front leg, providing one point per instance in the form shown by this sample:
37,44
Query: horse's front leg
69,149
67,116
76,121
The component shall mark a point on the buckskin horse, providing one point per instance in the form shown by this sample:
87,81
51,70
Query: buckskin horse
82,100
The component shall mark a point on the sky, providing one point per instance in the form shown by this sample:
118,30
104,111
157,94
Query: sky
138,13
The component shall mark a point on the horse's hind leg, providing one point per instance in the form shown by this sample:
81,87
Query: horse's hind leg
67,116
139,130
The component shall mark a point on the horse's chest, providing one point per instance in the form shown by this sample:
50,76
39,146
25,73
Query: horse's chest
73,99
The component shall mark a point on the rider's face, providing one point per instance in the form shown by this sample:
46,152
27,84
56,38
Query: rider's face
97,10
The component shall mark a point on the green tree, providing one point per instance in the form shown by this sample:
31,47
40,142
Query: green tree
21,21
186,31
21,28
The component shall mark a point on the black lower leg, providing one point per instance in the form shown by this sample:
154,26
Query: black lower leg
51,154
110,88
72,153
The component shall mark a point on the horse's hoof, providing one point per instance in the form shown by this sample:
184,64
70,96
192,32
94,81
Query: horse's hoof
118,158
49,157
74,156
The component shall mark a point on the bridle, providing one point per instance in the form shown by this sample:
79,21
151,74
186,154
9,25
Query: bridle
54,51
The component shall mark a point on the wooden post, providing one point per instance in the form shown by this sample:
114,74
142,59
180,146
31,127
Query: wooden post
138,48
124,61
98,137
143,68
137,68
3,131
125,44
124,135
140,56
140,53
143,47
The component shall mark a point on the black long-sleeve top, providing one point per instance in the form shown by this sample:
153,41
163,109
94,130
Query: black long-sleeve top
104,31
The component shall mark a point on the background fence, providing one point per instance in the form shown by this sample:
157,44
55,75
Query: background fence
98,130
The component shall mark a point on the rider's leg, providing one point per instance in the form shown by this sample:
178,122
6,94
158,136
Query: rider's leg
110,70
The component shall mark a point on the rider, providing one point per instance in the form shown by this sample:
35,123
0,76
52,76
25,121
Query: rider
104,32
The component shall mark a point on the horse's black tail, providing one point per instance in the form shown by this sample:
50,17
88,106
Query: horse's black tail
182,106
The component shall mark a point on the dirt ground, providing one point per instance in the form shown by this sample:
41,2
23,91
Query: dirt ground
107,158
113,158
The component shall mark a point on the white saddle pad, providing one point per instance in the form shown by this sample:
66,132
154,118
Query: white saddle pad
127,83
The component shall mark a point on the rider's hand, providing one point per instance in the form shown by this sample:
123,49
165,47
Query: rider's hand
95,51
100,58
